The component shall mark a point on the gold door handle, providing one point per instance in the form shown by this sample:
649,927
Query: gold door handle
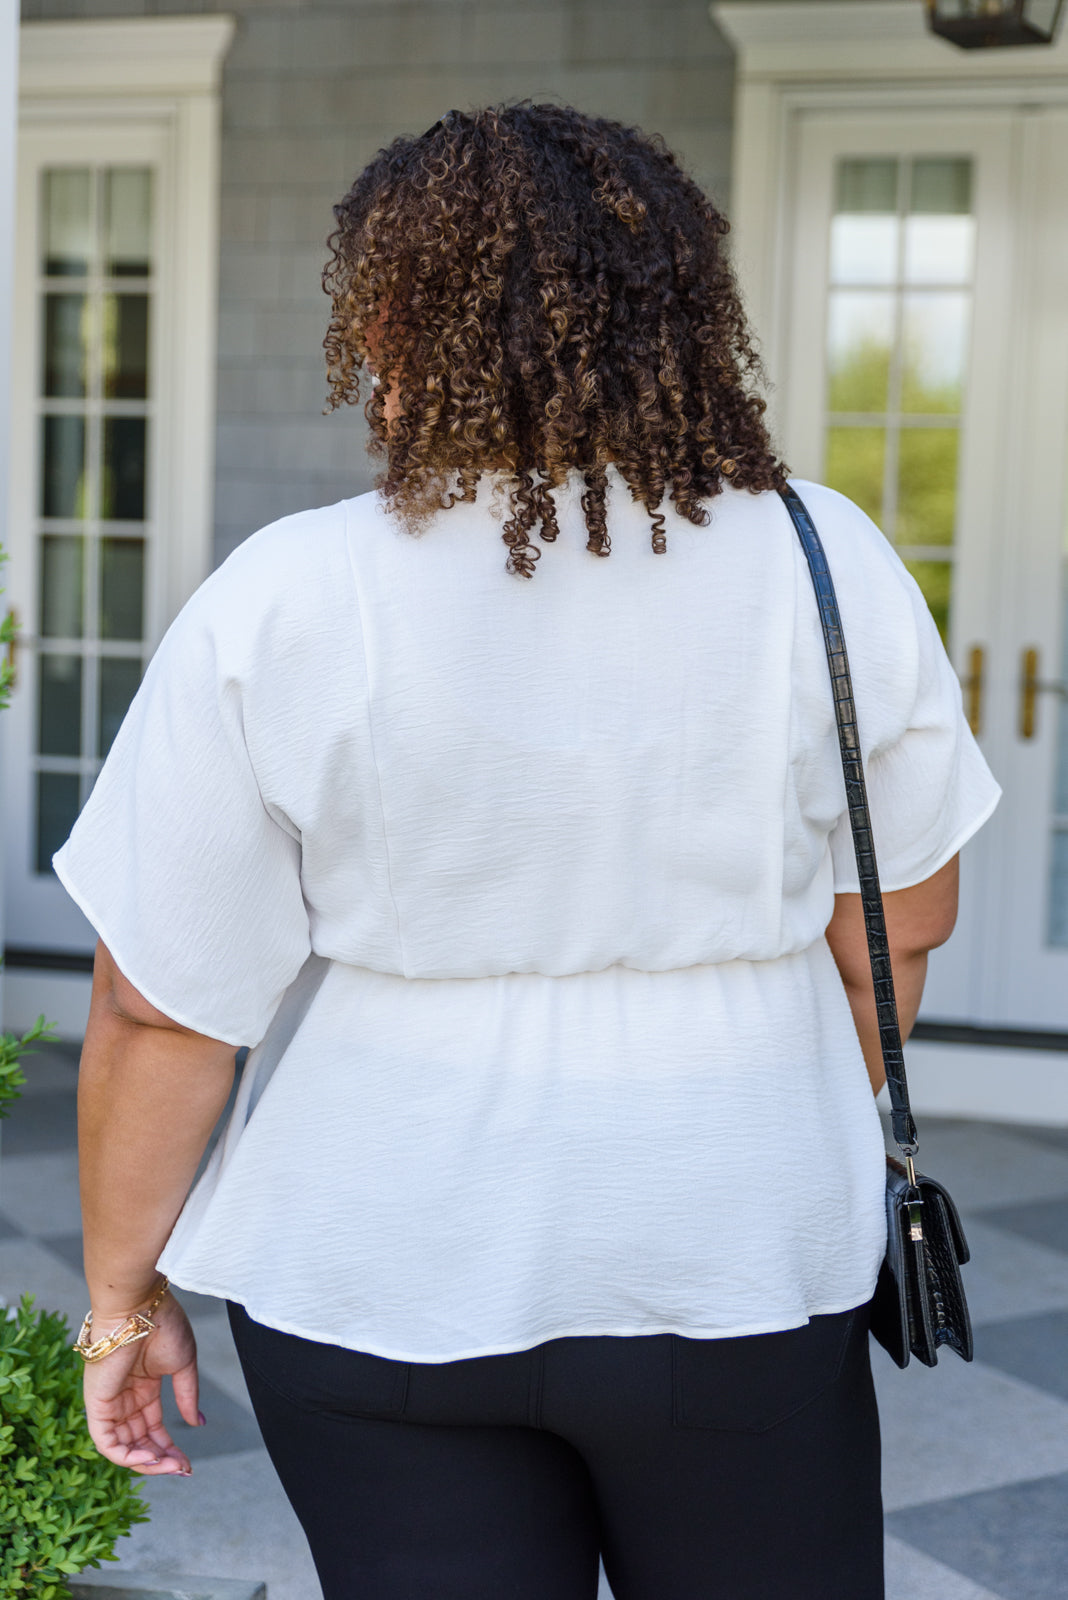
973,689
1031,687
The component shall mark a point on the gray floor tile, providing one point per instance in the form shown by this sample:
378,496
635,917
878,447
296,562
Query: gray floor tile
230,1518
1032,1348
1043,1221
68,1247
28,1267
962,1427
218,1358
8,1229
229,1430
986,1164
1012,1540
1009,1276
40,1193
200,1305
41,1122
162,1586
1043,1134
912,1575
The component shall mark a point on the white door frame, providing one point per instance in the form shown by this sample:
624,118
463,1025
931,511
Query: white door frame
795,59
798,55
157,77
9,32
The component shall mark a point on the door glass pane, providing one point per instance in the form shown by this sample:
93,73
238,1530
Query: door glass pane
119,680
1058,884
65,345
122,585
66,222
96,225
935,578
940,228
63,467
56,813
934,347
860,339
927,485
59,705
865,227
900,354
122,489
125,346
855,465
62,575
127,222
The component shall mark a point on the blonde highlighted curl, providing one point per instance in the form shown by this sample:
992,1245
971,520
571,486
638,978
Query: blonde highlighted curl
544,291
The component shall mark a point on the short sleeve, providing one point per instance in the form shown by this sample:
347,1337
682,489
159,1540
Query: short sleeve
929,788
187,876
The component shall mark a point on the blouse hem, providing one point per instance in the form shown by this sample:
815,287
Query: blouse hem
374,1347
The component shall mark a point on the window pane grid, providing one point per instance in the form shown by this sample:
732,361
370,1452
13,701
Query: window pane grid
899,302
96,406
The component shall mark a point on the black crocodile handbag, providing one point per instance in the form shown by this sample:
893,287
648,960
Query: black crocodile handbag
919,1302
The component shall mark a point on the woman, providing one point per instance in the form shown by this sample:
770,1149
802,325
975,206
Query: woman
537,904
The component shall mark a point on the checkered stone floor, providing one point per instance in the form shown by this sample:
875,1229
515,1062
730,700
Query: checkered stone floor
975,1457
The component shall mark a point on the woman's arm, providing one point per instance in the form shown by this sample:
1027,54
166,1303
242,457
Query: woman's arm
149,1095
918,920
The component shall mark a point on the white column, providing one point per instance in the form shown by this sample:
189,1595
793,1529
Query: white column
9,55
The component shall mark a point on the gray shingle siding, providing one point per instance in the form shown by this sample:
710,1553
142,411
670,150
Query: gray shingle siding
311,88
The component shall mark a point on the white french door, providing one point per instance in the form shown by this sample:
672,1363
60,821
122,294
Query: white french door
113,405
86,576
1030,981
925,374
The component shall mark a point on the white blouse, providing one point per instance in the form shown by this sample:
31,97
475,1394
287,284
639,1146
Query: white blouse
518,891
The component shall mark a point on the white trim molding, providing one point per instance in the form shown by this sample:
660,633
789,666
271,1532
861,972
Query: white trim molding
797,56
141,55
9,32
954,1080
165,71
144,91
827,40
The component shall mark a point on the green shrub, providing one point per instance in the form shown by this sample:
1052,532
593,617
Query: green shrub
62,1506
12,1077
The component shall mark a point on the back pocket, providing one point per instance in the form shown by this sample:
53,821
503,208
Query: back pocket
320,1377
749,1384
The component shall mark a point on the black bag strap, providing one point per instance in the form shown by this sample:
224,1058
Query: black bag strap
845,712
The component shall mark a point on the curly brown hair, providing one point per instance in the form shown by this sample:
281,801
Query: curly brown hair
543,291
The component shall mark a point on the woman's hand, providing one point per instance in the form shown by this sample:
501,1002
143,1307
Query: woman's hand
149,1093
123,1394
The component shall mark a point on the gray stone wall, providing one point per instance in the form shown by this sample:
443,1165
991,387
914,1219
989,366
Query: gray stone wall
311,89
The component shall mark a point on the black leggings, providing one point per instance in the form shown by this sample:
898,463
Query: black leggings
699,1469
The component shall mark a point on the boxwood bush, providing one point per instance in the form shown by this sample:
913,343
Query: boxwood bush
62,1506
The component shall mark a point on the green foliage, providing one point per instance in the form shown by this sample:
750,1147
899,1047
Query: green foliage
62,1506
7,671
927,470
12,1046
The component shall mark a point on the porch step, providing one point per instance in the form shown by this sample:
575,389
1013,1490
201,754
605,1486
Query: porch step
162,1586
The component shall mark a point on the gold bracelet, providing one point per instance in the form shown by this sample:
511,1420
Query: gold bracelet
139,1326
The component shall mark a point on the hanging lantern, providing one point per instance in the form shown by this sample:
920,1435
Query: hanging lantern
991,24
